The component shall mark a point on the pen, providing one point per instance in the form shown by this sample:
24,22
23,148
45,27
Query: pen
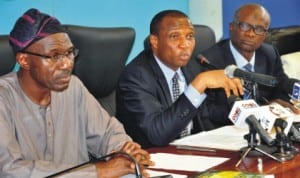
194,148
164,176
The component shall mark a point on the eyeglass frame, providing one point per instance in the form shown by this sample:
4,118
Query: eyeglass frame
252,27
56,57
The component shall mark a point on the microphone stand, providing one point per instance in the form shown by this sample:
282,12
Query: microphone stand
103,158
256,92
286,149
252,145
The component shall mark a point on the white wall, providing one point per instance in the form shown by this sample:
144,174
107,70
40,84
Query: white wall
207,12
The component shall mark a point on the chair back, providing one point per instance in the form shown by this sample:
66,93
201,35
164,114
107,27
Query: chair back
102,56
7,57
285,39
204,38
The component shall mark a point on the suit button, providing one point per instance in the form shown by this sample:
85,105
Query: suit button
186,112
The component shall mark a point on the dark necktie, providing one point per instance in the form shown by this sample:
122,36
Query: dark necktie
176,93
175,87
248,85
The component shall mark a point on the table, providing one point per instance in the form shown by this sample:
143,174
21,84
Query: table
288,169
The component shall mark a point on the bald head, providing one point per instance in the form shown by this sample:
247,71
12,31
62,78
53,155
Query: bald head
249,29
256,11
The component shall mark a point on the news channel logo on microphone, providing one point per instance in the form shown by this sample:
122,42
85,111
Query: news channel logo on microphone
295,98
296,90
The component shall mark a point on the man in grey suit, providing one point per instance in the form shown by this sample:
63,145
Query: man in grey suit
146,101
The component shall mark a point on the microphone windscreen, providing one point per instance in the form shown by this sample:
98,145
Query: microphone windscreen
232,99
229,70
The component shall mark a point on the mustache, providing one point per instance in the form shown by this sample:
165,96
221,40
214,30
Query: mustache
64,73
186,53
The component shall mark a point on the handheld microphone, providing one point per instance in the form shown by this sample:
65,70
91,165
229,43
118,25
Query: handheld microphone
205,62
255,125
103,158
267,80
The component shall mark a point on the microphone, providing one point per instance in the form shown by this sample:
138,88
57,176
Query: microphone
286,149
241,109
296,91
295,98
295,134
255,125
103,158
232,99
279,126
267,80
267,114
205,62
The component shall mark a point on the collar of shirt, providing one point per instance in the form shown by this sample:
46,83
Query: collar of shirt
239,59
169,73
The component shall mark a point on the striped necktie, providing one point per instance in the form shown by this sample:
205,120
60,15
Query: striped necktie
176,93
175,87
248,85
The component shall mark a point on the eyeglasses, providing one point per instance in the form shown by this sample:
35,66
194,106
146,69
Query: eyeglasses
259,30
70,54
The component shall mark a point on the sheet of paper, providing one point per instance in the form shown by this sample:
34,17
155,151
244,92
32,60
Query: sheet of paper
89,171
156,174
297,118
226,138
160,173
185,162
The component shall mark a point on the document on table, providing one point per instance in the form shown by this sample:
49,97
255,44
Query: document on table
153,173
185,162
89,171
225,138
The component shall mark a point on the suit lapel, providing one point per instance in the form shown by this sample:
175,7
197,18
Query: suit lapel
228,55
260,62
187,74
161,80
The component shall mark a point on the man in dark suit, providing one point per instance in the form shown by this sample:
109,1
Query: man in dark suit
146,102
248,31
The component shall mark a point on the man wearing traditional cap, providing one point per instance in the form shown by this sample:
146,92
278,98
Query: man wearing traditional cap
48,119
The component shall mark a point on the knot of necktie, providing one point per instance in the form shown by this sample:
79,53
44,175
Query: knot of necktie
248,67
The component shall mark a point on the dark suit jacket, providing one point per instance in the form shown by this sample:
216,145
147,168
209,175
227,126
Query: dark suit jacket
145,107
267,61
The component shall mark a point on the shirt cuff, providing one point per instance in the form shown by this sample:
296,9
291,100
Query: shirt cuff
194,96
